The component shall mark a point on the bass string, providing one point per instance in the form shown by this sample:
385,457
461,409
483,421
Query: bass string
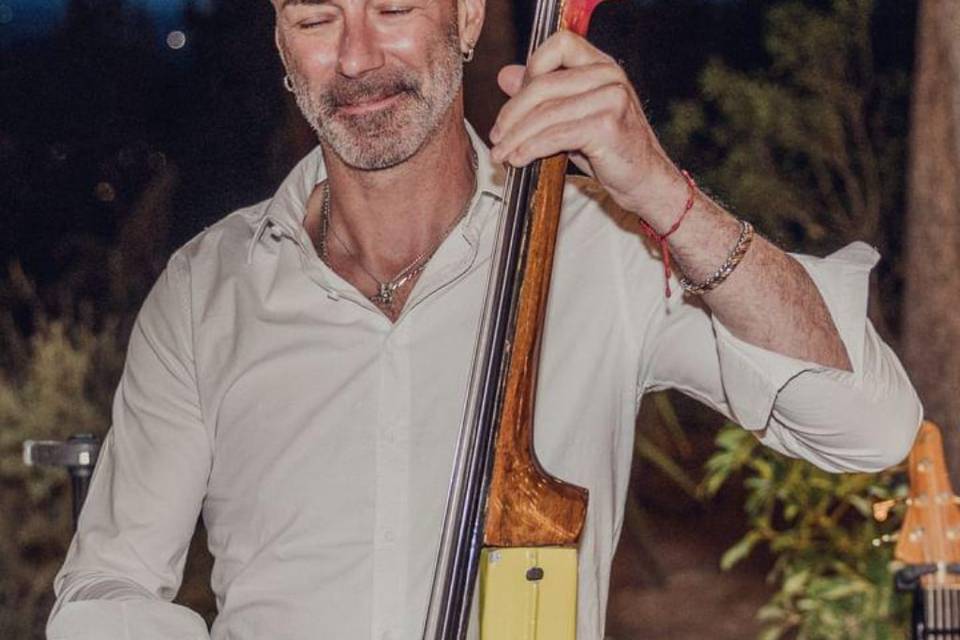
458,553
511,260
942,611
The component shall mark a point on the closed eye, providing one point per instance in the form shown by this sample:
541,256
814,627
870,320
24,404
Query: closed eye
313,24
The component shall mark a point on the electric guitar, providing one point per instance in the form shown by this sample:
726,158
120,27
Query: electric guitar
929,541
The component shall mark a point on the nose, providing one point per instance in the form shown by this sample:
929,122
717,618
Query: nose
359,49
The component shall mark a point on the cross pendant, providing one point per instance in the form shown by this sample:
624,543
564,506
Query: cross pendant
384,294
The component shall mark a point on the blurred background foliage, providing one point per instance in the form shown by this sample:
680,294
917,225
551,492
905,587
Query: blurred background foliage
831,580
55,382
113,151
812,149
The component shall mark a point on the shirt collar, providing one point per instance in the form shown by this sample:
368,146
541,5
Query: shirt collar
284,213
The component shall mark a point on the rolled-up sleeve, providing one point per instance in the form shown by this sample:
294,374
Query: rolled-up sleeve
126,561
859,420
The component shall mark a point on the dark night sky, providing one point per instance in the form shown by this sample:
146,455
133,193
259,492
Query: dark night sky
21,19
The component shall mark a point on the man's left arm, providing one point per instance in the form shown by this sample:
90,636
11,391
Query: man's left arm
572,97
859,420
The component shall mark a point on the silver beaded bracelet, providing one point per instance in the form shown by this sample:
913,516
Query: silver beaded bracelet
721,274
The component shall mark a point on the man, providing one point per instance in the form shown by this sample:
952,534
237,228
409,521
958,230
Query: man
298,371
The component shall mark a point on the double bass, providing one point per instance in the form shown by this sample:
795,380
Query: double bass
507,520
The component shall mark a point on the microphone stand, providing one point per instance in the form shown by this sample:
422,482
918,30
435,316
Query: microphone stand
77,455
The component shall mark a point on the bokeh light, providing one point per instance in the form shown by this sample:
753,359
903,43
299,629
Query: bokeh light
105,192
176,40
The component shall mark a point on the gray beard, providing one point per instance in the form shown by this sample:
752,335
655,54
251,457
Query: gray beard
384,138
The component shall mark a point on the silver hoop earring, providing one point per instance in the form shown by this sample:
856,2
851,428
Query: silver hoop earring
467,55
288,83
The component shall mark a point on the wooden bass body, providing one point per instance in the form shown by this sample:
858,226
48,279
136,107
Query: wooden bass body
507,520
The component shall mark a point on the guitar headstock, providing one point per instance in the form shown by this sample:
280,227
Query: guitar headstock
931,526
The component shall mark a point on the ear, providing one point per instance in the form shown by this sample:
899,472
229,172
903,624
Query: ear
470,15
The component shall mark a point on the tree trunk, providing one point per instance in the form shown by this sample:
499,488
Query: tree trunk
931,336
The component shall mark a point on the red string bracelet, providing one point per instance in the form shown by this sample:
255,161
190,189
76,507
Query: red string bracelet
661,239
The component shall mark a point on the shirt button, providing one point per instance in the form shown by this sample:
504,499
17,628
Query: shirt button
388,536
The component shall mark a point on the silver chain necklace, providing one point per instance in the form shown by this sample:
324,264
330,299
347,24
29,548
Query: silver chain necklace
387,290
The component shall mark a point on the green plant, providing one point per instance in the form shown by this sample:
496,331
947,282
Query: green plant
53,387
811,149
833,581
812,146
661,441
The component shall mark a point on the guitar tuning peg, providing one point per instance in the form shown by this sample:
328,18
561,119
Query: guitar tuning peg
885,538
881,510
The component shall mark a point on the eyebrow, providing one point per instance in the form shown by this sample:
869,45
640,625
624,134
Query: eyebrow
290,3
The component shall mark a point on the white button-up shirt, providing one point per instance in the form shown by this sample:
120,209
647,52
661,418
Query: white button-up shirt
316,437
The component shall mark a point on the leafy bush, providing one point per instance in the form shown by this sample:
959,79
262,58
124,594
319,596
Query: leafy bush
811,147
834,582
813,144
57,383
